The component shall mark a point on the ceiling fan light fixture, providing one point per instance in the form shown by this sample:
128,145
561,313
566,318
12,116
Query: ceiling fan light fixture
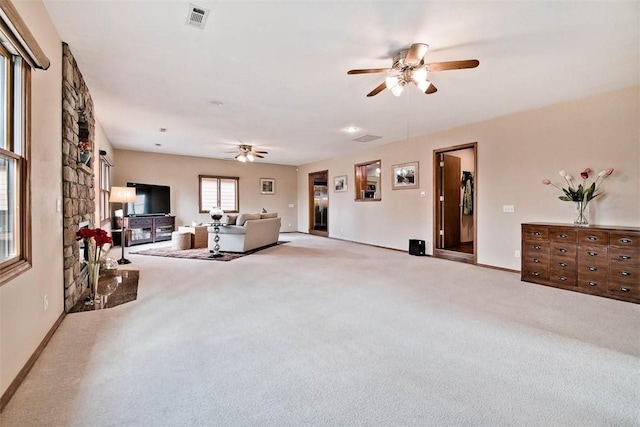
397,90
391,82
419,75
242,158
250,157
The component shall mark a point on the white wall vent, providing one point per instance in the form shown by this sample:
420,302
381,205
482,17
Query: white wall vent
366,138
197,16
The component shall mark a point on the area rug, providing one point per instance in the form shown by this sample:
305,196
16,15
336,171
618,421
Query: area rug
202,253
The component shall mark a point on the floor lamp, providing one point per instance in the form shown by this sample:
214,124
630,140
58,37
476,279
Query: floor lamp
123,195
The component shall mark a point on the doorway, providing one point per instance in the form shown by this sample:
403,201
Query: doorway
455,234
319,203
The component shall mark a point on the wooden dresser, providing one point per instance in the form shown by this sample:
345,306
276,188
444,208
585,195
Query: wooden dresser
602,261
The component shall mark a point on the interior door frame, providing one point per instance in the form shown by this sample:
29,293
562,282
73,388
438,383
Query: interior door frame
444,253
311,204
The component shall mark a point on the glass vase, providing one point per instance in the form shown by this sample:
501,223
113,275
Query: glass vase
582,214
93,277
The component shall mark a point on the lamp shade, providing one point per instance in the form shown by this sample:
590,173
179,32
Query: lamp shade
122,195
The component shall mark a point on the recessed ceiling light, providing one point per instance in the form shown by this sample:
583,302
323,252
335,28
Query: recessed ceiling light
217,103
163,129
351,129
158,145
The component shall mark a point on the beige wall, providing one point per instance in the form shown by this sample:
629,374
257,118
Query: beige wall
23,322
515,153
181,174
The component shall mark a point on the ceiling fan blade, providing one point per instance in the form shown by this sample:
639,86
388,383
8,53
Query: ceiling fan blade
431,89
378,89
261,152
258,155
369,70
453,65
415,54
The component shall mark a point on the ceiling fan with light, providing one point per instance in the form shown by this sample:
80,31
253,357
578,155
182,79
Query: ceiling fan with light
409,67
246,153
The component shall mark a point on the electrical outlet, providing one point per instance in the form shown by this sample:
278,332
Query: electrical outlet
423,194
516,253
291,205
508,208
289,224
45,303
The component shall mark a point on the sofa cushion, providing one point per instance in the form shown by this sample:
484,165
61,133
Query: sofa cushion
244,217
231,219
269,215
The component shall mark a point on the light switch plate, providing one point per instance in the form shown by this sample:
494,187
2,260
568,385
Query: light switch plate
508,208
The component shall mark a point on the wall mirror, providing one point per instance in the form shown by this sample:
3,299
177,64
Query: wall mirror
368,182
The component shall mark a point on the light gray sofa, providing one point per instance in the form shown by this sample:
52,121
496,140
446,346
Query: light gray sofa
253,234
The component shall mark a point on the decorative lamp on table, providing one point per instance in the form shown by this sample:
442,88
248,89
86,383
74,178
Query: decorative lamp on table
123,195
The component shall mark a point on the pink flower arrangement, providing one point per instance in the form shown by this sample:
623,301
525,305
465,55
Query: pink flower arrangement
84,147
581,192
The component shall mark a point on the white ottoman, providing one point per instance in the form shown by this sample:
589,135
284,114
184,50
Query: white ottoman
180,240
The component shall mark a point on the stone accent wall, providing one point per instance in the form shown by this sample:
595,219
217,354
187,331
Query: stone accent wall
78,125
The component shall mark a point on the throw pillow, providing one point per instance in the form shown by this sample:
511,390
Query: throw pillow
231,219
243,217
269,215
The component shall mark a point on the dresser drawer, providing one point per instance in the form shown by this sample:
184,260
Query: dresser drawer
534,232
624,274
140,222
562,278
627,240
597,284
593,255
535,272
563,250
533,248
561,234
562,264
628,291
593,237
161,222
624,256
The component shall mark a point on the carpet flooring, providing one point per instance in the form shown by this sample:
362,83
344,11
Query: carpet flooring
202,253
320,332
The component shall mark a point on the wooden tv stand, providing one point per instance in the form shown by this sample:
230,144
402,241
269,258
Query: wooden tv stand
148,229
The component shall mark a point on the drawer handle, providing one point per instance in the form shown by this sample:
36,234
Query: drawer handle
624,257
535,273
536,233
536,247
625,273
590,253
592,283
625,240
624,289
562,264
592,238
564,236
591,268
562,250
536,260
562,278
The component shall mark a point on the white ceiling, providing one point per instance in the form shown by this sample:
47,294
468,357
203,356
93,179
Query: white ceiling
280,68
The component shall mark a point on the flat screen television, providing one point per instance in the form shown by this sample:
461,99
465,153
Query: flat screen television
150,200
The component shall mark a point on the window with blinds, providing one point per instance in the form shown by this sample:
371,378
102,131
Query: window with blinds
218,191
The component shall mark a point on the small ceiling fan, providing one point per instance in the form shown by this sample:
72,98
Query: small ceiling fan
409,66
247,153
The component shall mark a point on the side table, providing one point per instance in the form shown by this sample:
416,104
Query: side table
199,235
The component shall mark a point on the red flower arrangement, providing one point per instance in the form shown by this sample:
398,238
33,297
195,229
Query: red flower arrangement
97,237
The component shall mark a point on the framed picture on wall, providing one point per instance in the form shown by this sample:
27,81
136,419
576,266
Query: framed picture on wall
405,176
340,184
267,186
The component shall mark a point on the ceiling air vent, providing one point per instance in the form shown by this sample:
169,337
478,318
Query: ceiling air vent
366,138
197,16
